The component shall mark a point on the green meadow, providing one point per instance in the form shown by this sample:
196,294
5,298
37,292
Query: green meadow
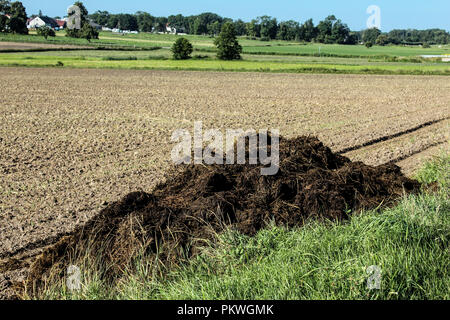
152,52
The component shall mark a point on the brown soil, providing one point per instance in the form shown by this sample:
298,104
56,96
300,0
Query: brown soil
199,201
64,155
404,146
74,140
6,45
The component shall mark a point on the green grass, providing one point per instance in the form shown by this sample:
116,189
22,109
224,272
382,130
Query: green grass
347,51
156,61
205,43
409,243
152,52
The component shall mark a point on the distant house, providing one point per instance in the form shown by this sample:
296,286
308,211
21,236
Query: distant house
61,24
95,25
43,21
170,29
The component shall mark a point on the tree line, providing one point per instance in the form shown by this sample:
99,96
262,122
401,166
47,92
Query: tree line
13,17
265,28
331,30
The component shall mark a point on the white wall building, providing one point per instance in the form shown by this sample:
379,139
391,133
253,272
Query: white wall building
39,22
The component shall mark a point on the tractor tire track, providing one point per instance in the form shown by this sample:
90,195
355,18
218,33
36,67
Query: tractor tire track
391,136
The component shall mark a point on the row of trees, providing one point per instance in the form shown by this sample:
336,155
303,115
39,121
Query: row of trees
407,37
412,36
13,17
329,30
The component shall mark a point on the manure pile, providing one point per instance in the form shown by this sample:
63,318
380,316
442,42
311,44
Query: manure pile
194,203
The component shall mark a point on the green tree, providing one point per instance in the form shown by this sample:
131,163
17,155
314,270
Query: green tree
3,23
83,10
214,28
269,27
100,17
371,35
307,31
46,32
324,29
240,27
77,33
160,24
5,7
113,21
227,44
382,40
178,22
368,44
340,33
288,30
253,29
18,21
182,49
199,27
145,21
88,32
128,22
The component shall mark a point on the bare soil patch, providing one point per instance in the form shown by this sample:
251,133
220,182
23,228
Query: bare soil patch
6,45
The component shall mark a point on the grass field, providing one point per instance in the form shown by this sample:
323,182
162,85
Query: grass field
409,243
152,51
249,46
160,59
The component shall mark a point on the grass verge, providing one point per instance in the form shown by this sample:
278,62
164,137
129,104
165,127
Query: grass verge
409,243
29,60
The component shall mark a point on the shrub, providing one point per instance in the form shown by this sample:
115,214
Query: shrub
88,32
45,32
368,44
182,49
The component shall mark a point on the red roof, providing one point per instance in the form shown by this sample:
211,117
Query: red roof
61,23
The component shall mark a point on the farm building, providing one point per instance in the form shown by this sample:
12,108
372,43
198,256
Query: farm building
95,25
61,24
170,29
43,21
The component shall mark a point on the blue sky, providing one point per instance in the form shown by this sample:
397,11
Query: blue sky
417,14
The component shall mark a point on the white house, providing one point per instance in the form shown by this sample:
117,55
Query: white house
170,29
43,21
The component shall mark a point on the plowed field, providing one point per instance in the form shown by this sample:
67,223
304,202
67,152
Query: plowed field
72,141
